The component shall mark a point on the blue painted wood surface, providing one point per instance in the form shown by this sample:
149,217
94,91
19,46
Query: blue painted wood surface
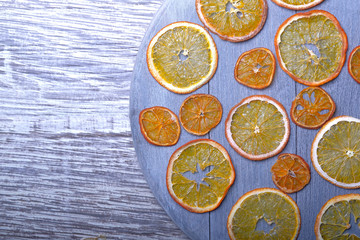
146,92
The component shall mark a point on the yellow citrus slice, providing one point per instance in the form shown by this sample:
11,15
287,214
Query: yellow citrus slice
200,156
255,68
297,4
182,57
200,113
233,20
258,127
264,204
290,173
160,126
312,107
335,152
311,47
335,218
354,64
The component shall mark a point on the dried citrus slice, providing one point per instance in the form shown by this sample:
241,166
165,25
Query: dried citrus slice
335,152
160,126
312,107
258,127
297,4
200,113
233,20
264,204
255,68
194,157
335,218
311,47
290,173
354,64
182,57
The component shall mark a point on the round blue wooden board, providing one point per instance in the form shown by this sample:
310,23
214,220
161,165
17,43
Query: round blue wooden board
146,92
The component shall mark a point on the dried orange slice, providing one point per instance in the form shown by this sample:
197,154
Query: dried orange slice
258,127
312,107
354,64
255,68
264,204
311,47
182,57
297,4
290,173
335,217
200,156
335,152
200,113
160,126
233,20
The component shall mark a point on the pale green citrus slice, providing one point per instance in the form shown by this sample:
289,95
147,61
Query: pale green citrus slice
159,126
182,57
271,205
193,157
258,127
297,4
354,64
335,217
311,47
335,152
233,20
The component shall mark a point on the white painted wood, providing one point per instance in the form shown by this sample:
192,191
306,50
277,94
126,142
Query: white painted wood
68,167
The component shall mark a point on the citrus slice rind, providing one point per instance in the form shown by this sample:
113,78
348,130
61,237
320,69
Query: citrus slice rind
354,64
255,68
159,126
200,113
182,40
312,108
317,64
297,4
290,173
335,152
229,25
272,205
269,129
335,216
200,154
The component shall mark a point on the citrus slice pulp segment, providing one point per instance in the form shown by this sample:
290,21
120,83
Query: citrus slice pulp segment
200,113
258,127
335,152
255,68
200,154
297,4
267,204
182,57
312,107
159,126
233,20
335,216
290,173
354,64
311,47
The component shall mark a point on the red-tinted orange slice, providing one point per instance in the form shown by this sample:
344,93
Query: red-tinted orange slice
255,68
160,126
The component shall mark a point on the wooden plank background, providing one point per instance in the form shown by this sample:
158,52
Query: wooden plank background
249,175
68,167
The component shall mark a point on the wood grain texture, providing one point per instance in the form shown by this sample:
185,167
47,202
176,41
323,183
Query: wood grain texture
68,167
249,175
